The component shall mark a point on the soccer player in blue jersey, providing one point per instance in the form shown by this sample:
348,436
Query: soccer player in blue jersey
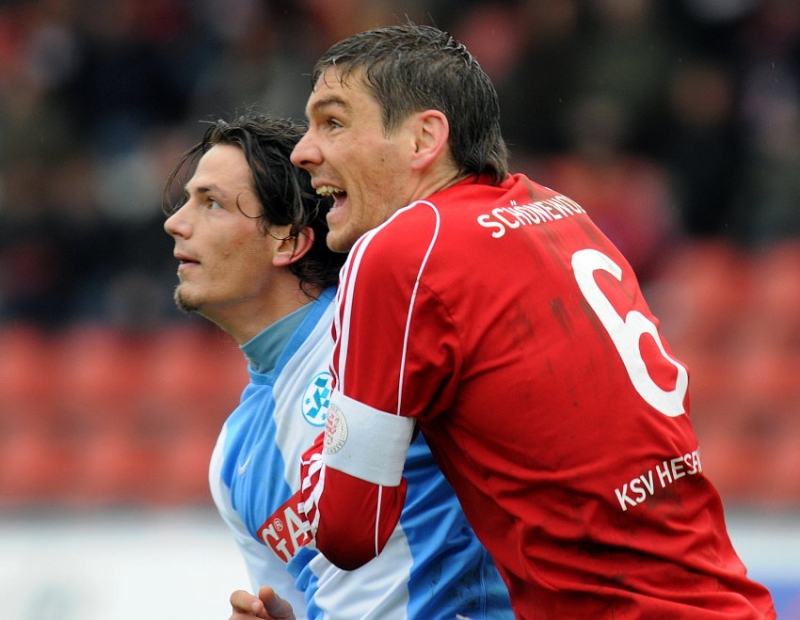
250,241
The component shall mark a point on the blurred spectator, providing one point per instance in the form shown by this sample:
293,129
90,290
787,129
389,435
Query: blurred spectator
701,103
627,54
120,85
533,48
702,146
769,206
628,195
34,271
675,124
256,60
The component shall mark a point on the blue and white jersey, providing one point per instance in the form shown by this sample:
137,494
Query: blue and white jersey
433,568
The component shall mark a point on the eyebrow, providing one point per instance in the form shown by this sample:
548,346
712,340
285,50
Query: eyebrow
204,189
334,100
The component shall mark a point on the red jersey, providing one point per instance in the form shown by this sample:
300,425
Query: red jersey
507,325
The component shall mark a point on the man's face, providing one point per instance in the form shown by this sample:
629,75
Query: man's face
349,156
225,257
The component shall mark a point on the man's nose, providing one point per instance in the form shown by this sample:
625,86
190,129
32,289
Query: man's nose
305,153
176,224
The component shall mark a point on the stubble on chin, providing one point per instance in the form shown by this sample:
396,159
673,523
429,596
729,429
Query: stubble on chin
183,303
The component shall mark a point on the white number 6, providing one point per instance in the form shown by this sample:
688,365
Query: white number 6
626,334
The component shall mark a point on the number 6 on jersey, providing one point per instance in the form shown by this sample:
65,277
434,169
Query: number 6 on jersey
625,334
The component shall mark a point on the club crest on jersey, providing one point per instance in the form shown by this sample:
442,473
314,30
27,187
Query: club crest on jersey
335,431
316,398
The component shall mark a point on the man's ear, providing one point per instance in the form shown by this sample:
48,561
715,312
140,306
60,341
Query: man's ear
292,249
432,132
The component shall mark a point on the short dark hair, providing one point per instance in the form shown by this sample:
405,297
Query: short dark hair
411,68
284,191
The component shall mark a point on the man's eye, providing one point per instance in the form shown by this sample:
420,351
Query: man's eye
213,204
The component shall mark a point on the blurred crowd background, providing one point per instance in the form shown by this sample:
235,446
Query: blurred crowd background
675,123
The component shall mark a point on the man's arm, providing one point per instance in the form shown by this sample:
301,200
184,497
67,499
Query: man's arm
359,516
385,376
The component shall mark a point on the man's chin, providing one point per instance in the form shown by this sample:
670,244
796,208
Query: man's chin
339,242
184,302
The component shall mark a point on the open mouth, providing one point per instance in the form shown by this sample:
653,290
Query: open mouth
337,193
329,190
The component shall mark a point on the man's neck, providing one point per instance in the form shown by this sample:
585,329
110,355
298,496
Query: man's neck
245,320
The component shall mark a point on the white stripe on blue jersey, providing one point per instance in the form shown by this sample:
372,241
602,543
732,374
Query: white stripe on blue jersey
432,568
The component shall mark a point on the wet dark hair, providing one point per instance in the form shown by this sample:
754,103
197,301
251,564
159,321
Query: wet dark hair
410,68
284,191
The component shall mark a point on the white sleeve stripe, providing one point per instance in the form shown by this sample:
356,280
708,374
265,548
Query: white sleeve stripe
365,442
345,302
315,497
348,283
378,522
311,505
413,299
344,310
337,324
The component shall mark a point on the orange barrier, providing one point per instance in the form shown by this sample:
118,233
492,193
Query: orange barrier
734,318
93,416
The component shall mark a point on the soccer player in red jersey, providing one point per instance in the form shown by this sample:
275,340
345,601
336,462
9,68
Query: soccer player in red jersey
491,314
